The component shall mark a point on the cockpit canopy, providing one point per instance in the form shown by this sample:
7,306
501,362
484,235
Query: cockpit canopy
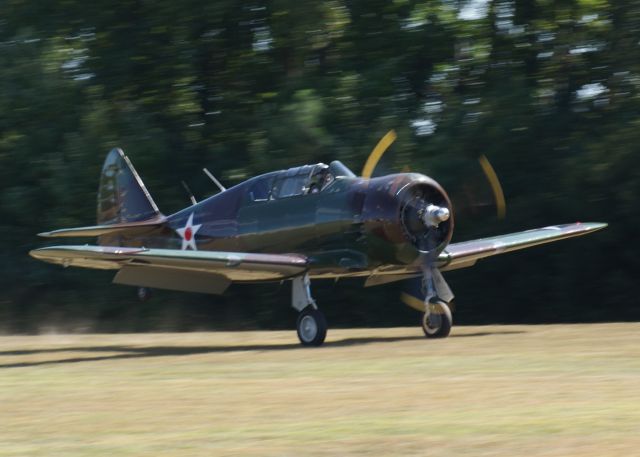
297,181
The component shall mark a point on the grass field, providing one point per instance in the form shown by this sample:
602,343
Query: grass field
497,390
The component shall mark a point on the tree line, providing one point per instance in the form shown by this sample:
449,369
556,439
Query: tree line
548,91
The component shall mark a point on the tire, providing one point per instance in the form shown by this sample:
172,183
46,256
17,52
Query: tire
144,294
437,324
311,327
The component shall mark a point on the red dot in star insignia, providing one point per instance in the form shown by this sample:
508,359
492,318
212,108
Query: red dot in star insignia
188,234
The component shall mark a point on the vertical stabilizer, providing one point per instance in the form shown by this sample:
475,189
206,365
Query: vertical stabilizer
122,196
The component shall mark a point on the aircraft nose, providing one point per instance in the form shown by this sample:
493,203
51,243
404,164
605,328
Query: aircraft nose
426,216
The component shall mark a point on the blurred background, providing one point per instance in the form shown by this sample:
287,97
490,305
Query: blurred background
548,91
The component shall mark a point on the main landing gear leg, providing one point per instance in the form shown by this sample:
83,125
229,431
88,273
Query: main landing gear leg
437,319
311,324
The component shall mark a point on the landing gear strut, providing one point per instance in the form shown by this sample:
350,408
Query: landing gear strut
311,324
437,318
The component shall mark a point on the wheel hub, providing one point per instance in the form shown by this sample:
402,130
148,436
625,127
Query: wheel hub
433,322
308,328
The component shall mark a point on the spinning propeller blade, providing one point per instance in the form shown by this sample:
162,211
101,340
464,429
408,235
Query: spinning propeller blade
488,170
377,152
494,182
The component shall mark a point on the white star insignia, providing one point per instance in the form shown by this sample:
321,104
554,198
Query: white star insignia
188,234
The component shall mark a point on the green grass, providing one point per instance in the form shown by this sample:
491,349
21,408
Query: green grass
498,390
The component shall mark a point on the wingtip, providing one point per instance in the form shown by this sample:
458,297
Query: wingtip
593,226
35,253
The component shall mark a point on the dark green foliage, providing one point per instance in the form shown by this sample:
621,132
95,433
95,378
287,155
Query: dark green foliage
547,90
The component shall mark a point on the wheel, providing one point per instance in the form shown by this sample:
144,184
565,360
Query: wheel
144,294
311,327
437,324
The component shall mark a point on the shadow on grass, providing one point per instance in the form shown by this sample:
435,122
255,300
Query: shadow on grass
129,352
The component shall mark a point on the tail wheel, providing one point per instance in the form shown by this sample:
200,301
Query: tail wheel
311,327
144,294
437,323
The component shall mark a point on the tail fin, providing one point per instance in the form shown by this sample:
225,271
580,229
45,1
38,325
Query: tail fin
122,196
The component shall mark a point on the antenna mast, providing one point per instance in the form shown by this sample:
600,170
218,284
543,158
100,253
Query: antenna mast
215,181
191,197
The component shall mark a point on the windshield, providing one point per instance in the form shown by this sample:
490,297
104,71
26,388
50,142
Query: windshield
308,179
288,187
260,189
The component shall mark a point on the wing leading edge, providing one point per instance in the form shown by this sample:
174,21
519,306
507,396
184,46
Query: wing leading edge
467,253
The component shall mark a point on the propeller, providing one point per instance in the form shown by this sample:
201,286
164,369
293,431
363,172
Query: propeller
494,182
426,216
468,199
377,152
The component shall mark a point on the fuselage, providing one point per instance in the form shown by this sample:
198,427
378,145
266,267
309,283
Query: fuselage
350,226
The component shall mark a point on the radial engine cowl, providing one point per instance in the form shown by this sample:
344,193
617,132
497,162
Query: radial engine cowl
426,215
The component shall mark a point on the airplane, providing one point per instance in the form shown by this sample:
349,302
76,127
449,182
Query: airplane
308,222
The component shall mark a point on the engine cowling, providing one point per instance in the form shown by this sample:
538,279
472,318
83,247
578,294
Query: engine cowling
404,214
426,215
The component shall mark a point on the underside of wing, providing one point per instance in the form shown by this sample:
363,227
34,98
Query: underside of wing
467,253
194,271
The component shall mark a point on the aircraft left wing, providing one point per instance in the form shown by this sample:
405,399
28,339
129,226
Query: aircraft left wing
191,271
467,253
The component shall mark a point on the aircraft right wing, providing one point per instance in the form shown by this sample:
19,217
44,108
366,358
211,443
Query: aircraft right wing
467,253
191,271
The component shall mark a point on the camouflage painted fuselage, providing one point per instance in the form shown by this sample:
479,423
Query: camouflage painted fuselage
352,227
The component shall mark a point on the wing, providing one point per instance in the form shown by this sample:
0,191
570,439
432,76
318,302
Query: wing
192,271
467,253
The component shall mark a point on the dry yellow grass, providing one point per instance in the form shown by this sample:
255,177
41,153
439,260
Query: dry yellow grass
496,390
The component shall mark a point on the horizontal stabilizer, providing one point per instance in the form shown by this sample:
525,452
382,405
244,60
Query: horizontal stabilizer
110,229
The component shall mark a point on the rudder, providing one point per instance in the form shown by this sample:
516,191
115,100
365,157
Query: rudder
122,196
